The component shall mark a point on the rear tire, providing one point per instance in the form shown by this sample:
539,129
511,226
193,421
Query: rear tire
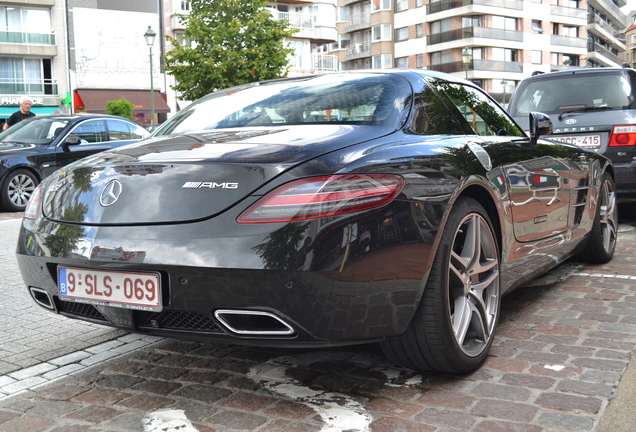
454,326
602,241
17,188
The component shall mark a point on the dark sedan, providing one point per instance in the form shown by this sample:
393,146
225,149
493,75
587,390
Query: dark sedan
34,148
372,206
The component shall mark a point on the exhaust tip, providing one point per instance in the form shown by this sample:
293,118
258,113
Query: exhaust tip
42,298
254,323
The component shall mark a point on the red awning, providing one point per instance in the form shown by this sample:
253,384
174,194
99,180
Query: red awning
94,101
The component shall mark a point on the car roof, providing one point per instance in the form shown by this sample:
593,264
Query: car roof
579,71
76,116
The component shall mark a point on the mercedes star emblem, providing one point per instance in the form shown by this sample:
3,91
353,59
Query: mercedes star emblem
110,193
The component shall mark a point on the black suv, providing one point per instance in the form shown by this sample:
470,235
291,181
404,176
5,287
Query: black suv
594,108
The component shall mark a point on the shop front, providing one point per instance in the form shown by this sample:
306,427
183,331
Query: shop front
41,106
94,101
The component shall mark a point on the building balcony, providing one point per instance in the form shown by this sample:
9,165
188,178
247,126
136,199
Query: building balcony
297,20
31,87
358,50
612,9
315,63
568,12
479,65
358,21
21,37
475,32
572,42
603,54
443,5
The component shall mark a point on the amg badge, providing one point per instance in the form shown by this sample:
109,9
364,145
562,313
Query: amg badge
209,185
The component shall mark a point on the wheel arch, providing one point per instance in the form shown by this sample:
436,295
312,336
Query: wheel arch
29,168
485,198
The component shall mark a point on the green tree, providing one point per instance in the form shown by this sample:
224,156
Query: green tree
233,42
121,108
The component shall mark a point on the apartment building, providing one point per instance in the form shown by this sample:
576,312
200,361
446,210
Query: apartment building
630,42
494,43
32,55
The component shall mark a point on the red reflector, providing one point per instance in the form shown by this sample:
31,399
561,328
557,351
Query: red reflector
324,196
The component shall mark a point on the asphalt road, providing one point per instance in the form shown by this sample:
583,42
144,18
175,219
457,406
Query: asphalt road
560,362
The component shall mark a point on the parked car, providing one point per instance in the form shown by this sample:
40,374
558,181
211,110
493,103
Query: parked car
593,108
371,206
34,148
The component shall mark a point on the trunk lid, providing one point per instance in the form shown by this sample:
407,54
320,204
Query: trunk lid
186,177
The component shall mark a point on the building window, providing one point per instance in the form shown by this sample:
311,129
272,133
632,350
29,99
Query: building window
536,27
381,5
441,57
402,62
505,54
401,34
570,31
401,5
471,21
382,61
441,26
504,23
419,60
26,76
570,60
185,5
182,39
419,30
537,57
555,58
419,3
381,32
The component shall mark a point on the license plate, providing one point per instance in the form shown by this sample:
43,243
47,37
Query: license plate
128,290
579,140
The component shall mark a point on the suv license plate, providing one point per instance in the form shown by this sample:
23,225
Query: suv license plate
127,290
586,141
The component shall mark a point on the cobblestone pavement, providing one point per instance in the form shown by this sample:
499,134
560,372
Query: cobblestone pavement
29,334
561,350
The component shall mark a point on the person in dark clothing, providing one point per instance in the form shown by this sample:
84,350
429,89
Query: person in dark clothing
18,116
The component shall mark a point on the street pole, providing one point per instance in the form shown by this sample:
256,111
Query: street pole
150,41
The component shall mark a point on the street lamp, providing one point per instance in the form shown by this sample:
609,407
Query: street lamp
504,84
150,41
467,57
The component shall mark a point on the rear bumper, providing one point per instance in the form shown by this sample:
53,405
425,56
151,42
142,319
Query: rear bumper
372,296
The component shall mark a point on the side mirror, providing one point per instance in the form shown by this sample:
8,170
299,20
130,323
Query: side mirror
69,141
540,124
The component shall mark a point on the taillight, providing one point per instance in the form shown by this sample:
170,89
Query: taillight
33,206
623,136
324,196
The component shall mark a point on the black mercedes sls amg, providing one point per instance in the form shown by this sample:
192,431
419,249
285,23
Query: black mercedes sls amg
389,206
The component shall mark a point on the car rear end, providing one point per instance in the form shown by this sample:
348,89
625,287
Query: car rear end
594,108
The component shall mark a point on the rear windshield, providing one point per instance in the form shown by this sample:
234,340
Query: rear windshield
553,95
344,99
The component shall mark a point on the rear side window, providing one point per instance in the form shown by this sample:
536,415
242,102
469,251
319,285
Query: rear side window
118,130
480,115
554,95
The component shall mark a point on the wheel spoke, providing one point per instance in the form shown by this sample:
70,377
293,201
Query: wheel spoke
461,318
